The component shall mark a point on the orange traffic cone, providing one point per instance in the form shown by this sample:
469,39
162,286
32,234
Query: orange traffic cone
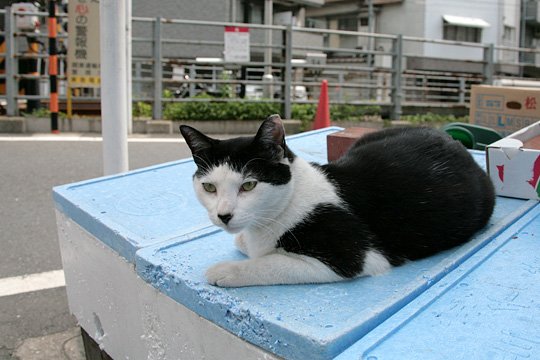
322,117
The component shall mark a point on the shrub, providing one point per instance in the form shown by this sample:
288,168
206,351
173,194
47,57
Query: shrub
207,110
142,109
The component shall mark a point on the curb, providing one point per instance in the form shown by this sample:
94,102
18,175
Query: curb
18,125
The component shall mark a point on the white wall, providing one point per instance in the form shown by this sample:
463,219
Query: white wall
424,18
406,18
488,10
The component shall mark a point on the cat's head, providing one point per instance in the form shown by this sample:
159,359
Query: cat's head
242,182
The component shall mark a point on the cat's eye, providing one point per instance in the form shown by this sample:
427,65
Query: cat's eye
248,186
211,188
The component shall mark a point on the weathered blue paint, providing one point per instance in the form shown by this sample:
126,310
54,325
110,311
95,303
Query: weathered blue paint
152,218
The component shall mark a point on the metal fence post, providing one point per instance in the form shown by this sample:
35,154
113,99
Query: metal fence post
158,71
287,78
489,68
11,85
462,89
397,69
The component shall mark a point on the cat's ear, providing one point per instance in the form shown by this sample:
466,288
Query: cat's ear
196,140
271,135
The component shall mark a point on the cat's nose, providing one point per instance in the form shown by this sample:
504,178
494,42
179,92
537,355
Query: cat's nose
225,218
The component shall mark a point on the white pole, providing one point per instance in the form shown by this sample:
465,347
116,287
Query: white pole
268,77
128,67
113,85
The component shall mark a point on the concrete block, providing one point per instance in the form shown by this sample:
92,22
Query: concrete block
139,126
136,246
37,125
338,143
12,125
159,127
487,309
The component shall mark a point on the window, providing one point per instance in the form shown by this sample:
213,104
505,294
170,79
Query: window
466,29
462,33
348,24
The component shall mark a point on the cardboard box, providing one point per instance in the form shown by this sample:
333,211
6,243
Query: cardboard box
504,109
339,142
514,164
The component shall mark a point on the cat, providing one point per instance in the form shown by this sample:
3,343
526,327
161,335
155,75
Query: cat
397,195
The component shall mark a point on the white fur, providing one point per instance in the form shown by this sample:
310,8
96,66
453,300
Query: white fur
375,264
278,267
262,216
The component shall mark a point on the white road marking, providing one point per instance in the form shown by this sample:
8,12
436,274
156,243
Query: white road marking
33,282
88,139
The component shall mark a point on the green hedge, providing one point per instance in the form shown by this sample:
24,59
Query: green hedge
237,110
219,110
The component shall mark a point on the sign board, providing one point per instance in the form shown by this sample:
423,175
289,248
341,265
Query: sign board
83,43
236,44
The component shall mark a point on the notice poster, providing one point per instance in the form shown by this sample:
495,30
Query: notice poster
236,44
83,43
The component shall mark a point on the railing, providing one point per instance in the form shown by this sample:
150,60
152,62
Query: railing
185,58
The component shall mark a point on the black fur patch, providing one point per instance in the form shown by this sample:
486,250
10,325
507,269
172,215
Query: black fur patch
333,236
246,156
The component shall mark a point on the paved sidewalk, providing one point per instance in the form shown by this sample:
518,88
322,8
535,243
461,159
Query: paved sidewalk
65,345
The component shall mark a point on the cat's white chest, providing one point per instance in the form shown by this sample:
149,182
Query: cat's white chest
255,244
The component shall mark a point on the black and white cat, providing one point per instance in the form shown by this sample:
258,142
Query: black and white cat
397,195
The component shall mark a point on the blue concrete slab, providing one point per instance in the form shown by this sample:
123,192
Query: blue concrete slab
151,217
155,204
488,308
303,321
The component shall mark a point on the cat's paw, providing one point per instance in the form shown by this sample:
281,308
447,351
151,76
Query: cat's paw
240,243
227,274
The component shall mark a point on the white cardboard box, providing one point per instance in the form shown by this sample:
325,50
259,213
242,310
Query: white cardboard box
514,168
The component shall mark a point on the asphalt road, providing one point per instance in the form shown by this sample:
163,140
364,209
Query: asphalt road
28,239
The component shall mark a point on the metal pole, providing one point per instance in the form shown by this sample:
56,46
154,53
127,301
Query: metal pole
11,86
129,81
268,78
113,85
397,58
489,68
158,70
522,33
268,20
53,67
287,78
462,89
371,15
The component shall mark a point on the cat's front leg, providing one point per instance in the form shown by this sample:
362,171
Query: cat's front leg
272,269
240,243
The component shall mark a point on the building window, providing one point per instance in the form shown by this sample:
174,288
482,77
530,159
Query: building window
509,35
466,29
253,12
348,24
462,33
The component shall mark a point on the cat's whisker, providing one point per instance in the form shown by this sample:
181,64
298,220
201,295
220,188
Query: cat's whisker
206,164
277,236
285,227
